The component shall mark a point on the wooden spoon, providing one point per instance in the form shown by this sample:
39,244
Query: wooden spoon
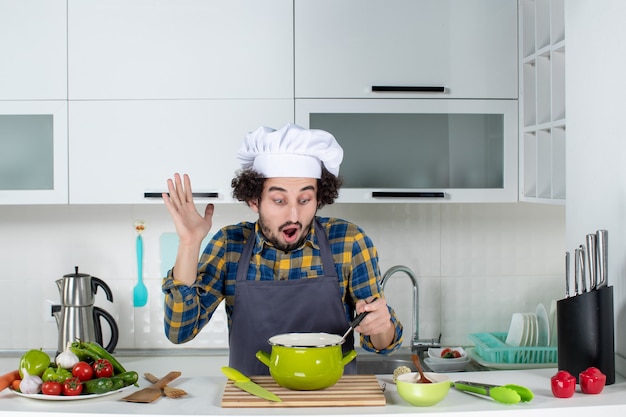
422,379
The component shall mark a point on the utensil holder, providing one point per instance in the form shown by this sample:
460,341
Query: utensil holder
586,335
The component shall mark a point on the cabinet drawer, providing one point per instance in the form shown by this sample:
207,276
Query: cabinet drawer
183,49
121,150
344,48
421,150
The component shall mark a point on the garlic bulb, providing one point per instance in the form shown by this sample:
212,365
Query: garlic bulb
31,384
67,359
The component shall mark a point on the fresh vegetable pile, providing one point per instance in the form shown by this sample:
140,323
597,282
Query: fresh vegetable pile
83,368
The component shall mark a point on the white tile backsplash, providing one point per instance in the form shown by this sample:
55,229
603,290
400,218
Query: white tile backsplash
476,265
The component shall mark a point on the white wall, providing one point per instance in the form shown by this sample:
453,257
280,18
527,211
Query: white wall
476,263
596,143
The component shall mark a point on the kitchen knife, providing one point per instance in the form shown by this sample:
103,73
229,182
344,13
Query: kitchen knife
591,240
583,273
602,237
576,271
567,274
243,382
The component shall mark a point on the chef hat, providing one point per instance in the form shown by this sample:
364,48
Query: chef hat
290,151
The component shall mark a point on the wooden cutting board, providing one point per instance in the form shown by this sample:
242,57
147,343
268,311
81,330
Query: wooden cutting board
349,391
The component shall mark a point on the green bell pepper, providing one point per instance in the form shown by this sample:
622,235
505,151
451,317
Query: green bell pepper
35,362
56,374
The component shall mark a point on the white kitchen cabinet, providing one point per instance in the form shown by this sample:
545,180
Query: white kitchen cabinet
344,48
413,151
180,49
542,101
33,47
33,152
120,150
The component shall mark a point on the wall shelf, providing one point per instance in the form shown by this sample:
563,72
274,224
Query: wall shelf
542,95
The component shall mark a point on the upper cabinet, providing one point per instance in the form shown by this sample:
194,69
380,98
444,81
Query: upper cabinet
410,48
183,49
33,47
33,152
123,151
542,101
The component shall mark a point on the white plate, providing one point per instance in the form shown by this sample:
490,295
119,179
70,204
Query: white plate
66,397
534,329
435,354
456,365
553,328
543,323
515,336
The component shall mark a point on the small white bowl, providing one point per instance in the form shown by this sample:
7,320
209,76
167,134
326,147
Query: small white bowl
435,355
447,365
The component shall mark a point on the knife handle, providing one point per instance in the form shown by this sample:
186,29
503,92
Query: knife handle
602,246
592,260
583,277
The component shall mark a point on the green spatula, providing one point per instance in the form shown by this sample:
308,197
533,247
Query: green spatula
505,394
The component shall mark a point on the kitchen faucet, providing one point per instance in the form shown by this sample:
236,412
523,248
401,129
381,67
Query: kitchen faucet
417,344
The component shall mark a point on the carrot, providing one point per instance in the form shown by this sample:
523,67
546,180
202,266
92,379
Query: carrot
15,385
7,379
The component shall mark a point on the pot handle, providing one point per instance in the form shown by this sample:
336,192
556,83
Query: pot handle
264,357
347,357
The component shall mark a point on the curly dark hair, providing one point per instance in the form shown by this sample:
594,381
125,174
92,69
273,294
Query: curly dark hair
248,186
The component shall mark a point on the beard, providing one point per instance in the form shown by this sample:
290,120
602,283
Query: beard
274,237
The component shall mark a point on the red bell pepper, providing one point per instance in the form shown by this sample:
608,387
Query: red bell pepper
563,384
592,381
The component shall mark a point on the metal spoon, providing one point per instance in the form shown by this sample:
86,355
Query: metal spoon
422,379
353,324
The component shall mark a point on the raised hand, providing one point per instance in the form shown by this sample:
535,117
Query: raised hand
191,227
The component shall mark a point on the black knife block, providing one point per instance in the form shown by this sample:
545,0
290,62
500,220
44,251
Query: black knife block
586,335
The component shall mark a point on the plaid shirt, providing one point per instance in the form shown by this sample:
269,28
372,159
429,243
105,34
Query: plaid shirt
189,308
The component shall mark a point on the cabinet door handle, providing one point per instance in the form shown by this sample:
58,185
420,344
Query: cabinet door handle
409,194
199,195
408,89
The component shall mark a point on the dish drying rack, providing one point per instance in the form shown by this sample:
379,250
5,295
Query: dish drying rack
492,348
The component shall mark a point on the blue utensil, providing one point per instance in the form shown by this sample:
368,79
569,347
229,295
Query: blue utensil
140,292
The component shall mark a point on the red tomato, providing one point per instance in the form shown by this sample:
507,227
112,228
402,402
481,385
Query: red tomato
51,388
563,384
102,368
592,381
72,386
83,371
445,352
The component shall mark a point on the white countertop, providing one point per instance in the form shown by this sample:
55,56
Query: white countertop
202,379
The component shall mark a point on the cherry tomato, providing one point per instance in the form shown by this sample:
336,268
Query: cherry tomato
592,381
83,371
72,386
563,384
445,352
51,388
102,368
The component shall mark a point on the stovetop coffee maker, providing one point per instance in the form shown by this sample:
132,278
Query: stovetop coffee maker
77,318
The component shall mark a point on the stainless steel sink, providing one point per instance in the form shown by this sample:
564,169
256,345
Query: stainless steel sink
371,363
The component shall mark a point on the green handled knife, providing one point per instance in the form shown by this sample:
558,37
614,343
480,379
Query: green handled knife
246,384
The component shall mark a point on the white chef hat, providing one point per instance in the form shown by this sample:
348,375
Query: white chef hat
290,151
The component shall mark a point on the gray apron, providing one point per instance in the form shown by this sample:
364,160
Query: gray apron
266,308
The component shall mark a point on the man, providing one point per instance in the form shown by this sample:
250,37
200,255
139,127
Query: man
290,271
